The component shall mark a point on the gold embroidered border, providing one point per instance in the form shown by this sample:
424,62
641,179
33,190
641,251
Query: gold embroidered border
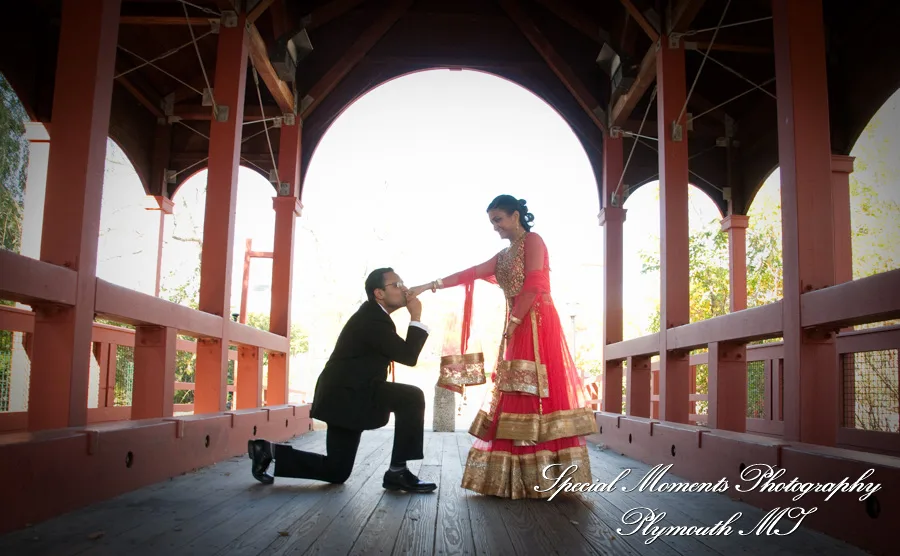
480,425
466,359
461,370
516,476
523,376
549,426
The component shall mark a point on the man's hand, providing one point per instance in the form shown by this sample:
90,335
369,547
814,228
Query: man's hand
414,306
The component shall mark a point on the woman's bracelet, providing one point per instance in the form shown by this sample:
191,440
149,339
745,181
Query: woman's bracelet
516,320
436,285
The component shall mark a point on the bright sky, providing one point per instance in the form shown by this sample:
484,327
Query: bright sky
402,179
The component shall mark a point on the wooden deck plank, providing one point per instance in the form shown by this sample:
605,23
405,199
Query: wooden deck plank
624,503
454,531
380,533
562,533
231,501
344,531
599,534
307,494
129,513
417,531
222,510
301,534
524,533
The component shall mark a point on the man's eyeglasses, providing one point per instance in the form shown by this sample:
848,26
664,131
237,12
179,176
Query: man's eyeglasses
397,285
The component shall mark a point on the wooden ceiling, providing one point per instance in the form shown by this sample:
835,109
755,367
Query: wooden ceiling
548,46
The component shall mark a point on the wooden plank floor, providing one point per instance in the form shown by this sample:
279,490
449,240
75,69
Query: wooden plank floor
223,510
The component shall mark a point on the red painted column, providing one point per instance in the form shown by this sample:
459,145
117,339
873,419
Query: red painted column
154,372
727,386
736,227
165,207
60,368
811,398
287,209
248,382
612,218
674,368
218,226
841,168
637,397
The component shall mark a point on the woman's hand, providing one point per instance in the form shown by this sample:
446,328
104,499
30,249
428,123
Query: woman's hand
510,330
416,290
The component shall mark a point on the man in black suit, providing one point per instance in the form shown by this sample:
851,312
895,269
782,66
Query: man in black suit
353,395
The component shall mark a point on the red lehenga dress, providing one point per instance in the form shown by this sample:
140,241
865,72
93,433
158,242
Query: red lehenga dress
534,414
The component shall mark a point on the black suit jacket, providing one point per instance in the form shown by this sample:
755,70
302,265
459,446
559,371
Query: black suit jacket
345,391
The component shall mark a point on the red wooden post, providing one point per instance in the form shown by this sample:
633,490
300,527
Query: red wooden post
245,284
60,368
637,391
736,227
727,386
287,208
612,218
165,207
153,393
249,380
674,384
811,392
218,226
841,168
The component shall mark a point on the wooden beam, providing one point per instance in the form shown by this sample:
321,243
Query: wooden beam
252,112
32,281
871,299
683,14
125,305
281,19
743,48
741,326
640,346
259,55
559,66
641,20
645,77
577,19
244,335
353,55
258,10
141,97
332,10
164,20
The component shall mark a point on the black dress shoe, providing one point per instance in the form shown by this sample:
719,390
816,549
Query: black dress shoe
260,452
405,480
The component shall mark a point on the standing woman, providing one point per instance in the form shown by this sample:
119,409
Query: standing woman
534,415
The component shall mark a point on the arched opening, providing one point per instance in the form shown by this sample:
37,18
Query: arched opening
127,248
254,223
403,179
641,252
868,377
874,211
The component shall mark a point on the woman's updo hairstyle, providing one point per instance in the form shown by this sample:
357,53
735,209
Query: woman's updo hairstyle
509,204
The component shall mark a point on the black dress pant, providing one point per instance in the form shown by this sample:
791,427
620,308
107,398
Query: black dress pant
406,402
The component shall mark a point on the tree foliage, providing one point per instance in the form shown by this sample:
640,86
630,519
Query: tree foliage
13,166
875,217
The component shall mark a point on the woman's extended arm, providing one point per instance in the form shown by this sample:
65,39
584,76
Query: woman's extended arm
482,271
